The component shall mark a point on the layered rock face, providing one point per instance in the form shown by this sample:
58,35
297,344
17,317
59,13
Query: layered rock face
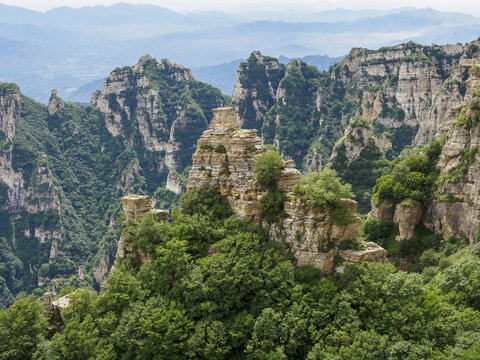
454,210
136,100
404,91
135,208
226,157
411,76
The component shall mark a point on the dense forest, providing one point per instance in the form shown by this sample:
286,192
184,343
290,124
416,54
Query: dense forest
217,288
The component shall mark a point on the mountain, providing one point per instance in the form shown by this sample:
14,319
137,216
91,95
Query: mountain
402,91
67,48
223,76
64,167
241,269
82,94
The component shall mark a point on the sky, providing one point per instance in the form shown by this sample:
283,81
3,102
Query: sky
465,6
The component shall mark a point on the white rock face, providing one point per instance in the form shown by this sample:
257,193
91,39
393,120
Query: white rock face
55,104
174,183
454,210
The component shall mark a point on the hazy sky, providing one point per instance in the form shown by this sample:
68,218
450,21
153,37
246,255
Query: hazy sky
466,6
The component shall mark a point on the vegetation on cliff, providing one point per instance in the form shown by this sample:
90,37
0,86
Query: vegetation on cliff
410,178
363,164
268,169
325,191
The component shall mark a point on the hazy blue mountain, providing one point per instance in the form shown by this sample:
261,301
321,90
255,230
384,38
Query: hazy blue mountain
222,76
83,94
322,62
67,48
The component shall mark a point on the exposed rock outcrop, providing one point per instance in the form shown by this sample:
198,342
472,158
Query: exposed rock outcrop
55,104
454,209
135,100
174,183
135,208
404,91
407,218
226,157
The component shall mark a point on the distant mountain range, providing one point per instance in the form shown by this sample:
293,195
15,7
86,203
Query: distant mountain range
68,49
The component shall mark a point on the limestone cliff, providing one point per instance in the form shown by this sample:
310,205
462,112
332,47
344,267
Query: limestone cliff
27,190
404,91
226,157
455,211
136,102
454,206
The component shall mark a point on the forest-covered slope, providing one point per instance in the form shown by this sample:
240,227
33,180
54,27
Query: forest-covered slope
64,168
215,288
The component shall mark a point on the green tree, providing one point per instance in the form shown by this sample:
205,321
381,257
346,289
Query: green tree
325,191
206,201
22,329
268,168
271,206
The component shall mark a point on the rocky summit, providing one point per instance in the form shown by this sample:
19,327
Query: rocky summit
225,159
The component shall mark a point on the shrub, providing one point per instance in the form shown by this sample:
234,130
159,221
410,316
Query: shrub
383,233
374,229
325,191
206,201
360,122
383,189
268,168
205,146
220,149
271,206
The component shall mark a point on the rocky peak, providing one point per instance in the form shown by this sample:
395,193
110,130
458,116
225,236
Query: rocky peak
224,119
55,104
136,102
256,88
10,108
174,71
225,158
144,59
